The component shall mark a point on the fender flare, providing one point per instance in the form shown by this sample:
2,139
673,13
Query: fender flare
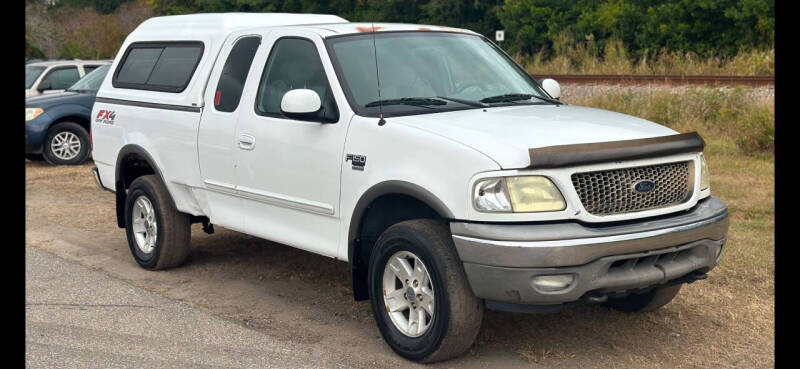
119,186
388,188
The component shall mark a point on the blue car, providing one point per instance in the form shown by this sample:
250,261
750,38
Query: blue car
57,125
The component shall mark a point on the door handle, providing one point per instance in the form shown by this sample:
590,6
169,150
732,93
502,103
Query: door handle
247,142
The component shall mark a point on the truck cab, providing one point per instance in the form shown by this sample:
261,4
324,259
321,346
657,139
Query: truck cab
423,156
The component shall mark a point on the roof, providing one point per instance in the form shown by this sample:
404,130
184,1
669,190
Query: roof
328,30
220,25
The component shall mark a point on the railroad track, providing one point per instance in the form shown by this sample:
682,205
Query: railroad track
632,79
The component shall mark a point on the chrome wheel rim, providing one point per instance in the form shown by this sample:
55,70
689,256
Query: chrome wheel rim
145,229
408,294
65,145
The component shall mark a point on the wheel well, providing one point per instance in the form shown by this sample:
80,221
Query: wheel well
132,166
379,215
129,167
81,121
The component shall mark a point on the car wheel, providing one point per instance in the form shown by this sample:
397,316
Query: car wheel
422,302
645,302
158,234
66,143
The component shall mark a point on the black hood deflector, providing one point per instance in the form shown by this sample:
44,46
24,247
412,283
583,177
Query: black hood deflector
603,152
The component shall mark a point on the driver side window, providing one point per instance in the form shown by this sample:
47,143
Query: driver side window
294,63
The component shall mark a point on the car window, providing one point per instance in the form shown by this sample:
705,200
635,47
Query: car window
234,74
89,68
92,81
62,77
293,63
138,65
166,66
31,74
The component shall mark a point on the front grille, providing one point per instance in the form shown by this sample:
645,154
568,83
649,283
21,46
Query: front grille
609,192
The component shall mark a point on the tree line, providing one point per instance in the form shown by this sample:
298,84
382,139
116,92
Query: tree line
705,27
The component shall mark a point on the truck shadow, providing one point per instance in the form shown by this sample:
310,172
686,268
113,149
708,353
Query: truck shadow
573,337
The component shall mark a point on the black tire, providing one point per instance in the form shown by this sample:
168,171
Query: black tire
34,157
77,130
457,312
645,302
173,233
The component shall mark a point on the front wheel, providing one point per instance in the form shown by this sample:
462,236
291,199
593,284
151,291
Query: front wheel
66,143
422,302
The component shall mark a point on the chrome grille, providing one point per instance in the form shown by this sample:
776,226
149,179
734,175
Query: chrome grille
608,192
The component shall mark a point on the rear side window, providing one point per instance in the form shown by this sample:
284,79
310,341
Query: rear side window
158,66
61,78
234,74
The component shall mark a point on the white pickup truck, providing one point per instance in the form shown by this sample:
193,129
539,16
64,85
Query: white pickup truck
425,157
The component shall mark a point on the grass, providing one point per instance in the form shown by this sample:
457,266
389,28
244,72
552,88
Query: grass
587,58
734,121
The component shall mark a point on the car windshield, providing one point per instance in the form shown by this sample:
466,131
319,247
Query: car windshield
31,74
423,72
91,82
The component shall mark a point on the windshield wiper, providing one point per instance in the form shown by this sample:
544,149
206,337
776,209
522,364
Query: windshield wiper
414,101
465,102
506,98
517,97
554,101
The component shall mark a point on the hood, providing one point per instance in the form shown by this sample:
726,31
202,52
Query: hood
68,97
506,133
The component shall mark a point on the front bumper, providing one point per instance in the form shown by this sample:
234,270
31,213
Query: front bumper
35,133
501,260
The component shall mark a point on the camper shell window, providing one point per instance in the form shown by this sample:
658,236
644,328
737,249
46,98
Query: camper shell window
158,66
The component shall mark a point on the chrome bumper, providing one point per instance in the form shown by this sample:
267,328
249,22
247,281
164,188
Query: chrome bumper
500,260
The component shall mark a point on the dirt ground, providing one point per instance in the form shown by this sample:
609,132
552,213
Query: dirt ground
724,321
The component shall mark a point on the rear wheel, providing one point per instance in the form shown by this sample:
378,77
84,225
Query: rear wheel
67,143
645,302
158,234
422,302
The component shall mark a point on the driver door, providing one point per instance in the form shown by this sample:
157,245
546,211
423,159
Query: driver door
288,171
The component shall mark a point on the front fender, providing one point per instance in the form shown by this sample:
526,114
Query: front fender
69,110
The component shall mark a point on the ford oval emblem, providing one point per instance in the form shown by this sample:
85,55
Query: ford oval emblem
644,186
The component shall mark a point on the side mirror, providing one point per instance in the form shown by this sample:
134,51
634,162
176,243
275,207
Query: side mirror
551,87
44,85
301,104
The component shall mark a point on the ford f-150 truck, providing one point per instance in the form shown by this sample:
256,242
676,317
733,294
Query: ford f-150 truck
425,157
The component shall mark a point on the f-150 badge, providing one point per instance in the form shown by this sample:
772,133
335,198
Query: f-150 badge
358,161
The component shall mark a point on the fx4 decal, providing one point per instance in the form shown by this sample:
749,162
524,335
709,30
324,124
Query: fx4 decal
358,161
105,116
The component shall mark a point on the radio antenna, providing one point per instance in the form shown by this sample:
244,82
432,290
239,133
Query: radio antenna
381,121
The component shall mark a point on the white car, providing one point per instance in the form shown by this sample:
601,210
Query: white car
57,75
423,156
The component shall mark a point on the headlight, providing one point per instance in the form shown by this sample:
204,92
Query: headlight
705,177
492,195
32,113
524,194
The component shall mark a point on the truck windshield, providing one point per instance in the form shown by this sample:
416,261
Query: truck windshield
425,72
32,73
92,81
